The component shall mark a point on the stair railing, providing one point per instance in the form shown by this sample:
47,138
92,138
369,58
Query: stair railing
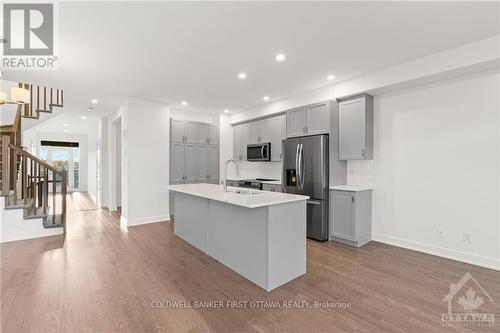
35,182
42,99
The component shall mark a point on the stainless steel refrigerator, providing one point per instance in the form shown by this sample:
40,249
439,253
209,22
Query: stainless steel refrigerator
305,171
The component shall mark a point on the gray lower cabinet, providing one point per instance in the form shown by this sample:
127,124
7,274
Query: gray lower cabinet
272,188
351,217
356,128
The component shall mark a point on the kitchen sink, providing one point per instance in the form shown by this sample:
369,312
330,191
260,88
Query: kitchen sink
242,192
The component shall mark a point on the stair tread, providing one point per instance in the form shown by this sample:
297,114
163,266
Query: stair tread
37,214
10,203
50,223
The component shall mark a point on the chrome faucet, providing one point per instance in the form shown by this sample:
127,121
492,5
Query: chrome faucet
225,172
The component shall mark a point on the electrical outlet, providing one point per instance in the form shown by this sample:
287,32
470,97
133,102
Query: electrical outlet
440,232
466,237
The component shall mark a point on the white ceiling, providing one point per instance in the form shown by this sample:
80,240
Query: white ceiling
175,51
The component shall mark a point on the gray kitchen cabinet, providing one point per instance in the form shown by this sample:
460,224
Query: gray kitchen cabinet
202,163
213,164
272,188
351,222
308,120
177,163
182,163
356,128
317,121
277,133
213,134
202,134
241,137
295,122
190,162
183,131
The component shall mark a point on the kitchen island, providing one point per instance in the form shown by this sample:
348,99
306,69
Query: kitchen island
260,235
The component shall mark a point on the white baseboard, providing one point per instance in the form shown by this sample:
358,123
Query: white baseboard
469,258
143,220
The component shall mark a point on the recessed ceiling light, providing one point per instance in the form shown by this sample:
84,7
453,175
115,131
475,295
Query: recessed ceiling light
65,124
242,76
226,111
184,103
65,131
265,98
330,77
83,117
280,57
94,101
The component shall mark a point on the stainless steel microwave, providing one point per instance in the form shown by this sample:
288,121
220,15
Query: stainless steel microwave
259,152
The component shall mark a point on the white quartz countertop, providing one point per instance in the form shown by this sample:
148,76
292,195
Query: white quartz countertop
216,192
272,182
351,188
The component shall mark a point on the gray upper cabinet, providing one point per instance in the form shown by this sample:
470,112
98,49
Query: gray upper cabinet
309,120
356,128
272,130
317,121
190,132
202,133
213,135
177,130
295,122
241,137
277,133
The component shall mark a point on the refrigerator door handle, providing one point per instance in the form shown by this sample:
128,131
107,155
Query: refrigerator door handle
297,182
301,180
313,202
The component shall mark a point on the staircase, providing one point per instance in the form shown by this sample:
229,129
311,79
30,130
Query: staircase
27,183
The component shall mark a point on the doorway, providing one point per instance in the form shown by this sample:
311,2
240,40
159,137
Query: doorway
63,156
116,166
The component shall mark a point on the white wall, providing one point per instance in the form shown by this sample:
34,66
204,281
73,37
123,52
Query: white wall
437,166
203,117
144,159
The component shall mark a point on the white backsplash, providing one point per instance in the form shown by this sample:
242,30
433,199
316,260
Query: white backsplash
250,170
360,172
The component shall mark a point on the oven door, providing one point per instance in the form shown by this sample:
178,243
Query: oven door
259,152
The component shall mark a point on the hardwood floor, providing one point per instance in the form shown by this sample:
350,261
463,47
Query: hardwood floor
101,278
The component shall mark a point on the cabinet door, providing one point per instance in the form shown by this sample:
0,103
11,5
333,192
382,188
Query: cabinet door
317,121
190,131
343,215
190,162
237,143
295,122
352,126
213,134
255,132
213,163
277,132
201,163
202,134
176,163
177,130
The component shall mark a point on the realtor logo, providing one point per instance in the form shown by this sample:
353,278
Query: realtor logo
466,297
29,40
